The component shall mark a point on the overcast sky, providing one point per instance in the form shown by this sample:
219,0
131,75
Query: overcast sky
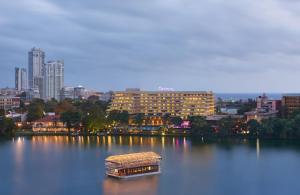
219,45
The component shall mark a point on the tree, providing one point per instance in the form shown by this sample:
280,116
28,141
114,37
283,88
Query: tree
295,126
246,107
51,105
226,126
64,106
35,111
139,119
176,120
276,127
199,125
166,118
72,119
94,119
118,117
7,126
254,127
2,112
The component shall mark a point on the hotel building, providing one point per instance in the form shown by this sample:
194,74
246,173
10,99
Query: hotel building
175,103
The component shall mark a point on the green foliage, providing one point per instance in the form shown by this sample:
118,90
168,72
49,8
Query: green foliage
93,116
246,107
72,119
64,106
166,118
226,126
254,127
35,110
7,126
2,112
139,118
119,117
176,120
51,105
200,125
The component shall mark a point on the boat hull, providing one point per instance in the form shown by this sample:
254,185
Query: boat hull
133,176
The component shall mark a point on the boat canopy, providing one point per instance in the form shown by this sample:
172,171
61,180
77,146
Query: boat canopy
134,158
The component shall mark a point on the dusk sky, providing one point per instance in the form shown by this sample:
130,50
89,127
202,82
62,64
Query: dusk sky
219,45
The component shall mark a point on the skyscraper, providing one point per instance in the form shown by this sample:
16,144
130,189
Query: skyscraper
36,60
21,79
53,79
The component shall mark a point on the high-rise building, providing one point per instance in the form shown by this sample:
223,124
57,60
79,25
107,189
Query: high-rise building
36,60
53,79
20,79
175,103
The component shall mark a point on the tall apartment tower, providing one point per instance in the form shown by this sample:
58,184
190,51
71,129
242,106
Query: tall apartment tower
36,60
21,81
53,79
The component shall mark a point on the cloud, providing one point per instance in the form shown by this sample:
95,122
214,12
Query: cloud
186,44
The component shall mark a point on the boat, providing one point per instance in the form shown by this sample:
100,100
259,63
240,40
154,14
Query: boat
133,165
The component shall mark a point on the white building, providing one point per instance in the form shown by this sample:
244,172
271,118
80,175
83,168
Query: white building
20,79
67,93
53,76
36,60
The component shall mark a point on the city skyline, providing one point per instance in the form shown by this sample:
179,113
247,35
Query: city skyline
111,47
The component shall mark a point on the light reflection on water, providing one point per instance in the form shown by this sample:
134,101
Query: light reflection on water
142,185
75,165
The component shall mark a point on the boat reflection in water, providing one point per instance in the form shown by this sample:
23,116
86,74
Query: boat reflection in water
140,185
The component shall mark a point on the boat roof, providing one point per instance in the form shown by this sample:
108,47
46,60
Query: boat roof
133,157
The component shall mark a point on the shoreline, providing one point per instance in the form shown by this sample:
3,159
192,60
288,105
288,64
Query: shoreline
148,134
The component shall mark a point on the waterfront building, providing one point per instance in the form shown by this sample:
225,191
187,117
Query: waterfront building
290,103
36,60
53,77
175,103
49,123
20,79
9,102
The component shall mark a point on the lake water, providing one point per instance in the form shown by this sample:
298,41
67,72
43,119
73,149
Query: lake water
63,165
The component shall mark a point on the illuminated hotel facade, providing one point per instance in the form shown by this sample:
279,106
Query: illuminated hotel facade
175,103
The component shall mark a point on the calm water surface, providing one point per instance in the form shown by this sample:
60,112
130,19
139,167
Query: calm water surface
63,165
